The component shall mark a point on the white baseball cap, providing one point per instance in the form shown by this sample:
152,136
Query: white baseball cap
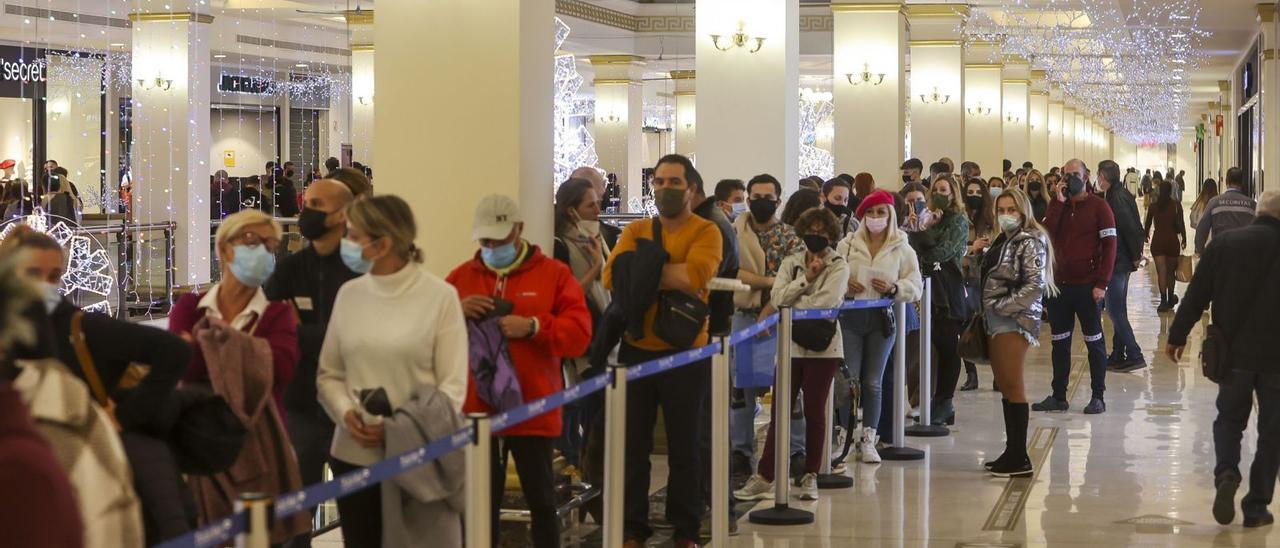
496,216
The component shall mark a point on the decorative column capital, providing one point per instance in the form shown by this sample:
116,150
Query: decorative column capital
361,47
1224,85
937,11
683,74
1266,12
170,17
613,60
866,6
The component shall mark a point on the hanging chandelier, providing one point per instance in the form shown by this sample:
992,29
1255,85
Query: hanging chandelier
1127,67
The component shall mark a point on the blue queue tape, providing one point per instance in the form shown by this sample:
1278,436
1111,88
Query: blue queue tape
737,337
653,367
534,408
815,313
215,534
862,304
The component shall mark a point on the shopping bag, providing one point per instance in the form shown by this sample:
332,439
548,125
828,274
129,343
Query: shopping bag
754,360
1185,269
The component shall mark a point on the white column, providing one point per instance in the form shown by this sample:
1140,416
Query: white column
984,121
171,134
748,103
1068,133
486,128
937,86
869,87
362,103
686,130
1081,136
1016,88
1228,106
619,121
1054,132
1038,110
1269,87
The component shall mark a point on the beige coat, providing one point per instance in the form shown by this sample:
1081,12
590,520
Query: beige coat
88,448
791,288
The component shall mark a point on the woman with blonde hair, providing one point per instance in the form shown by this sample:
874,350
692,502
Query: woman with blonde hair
395,332
1017,271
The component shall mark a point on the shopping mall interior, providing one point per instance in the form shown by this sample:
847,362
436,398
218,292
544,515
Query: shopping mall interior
162,145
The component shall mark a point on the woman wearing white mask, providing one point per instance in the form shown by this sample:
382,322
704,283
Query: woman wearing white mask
883,265
397,329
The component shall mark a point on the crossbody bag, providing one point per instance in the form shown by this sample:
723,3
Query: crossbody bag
681,316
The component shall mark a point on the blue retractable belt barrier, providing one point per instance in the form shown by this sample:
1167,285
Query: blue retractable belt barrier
288,504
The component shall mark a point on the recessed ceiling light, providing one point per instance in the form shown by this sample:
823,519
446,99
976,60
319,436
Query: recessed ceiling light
117,45
301,65
220,56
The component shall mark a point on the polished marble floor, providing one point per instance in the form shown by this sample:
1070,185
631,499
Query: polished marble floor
1138,475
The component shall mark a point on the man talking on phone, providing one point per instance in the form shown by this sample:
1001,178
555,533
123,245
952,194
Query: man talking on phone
1083,230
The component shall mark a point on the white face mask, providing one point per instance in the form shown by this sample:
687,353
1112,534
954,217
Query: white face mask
876,224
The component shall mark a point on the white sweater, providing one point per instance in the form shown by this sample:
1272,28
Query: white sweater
396,332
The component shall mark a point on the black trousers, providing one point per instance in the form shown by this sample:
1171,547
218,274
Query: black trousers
360,513
1076,302
537,481
946,341
1235,401
679,392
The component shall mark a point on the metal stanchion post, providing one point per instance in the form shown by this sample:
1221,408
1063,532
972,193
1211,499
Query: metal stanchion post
782,513
122,272
258,508
615,473
720,443
899,450
479,479
926,428
827,480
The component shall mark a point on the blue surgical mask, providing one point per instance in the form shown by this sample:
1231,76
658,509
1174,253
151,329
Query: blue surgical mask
353,256
738,209
499,257
52,297
995,191
252,265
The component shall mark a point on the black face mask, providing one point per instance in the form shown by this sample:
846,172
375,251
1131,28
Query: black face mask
311,223
816,243
1034,188
1075,185
974,203
906,178
839,210
762,209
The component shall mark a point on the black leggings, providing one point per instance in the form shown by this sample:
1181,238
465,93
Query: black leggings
946,341
360,513
537,481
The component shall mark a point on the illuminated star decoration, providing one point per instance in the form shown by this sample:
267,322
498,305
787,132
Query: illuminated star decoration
815,110
574,146
88,268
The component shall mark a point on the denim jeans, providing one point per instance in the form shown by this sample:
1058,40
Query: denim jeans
743,409
866,352
1076,301
1235,401
1125,346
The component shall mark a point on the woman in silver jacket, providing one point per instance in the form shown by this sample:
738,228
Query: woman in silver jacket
1017,270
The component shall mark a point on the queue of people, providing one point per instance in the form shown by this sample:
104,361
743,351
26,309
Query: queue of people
288,366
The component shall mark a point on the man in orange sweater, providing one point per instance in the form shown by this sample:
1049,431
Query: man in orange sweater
694,245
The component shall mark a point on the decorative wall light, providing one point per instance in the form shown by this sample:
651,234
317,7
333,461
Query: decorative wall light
739,39
159,82
611,118
935,97
1010,118
865,76
365,100
979,110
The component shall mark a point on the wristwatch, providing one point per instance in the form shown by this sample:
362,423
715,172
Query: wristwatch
533,327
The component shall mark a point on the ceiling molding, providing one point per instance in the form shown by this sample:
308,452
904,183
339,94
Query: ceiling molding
932,43
66,16
587,11
292,46
598,60
170,17
919,11
683,74
887,7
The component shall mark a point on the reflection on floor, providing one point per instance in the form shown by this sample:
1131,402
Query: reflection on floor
1139,475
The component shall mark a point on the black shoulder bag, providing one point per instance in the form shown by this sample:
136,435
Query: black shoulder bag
681,317
1215,350
812,335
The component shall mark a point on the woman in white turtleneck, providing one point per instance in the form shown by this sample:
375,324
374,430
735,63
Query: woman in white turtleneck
397,328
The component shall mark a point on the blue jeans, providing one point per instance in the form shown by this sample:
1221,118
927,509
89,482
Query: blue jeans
1125,346
866,352
743,409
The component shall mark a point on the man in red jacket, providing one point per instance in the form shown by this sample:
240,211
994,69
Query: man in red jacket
1083,229
547,320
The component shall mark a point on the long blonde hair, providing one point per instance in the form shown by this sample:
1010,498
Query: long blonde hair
1030,224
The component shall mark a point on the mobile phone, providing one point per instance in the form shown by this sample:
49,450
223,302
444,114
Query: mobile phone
919,206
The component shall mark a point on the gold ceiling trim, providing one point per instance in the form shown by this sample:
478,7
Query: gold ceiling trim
895,7
614,81
362,17
984,66
1224,85
361,47
1267,12
1023,81
958,11
604,60
172,17
932,43
685,93
683,74
1039,93
1268,54
1038,74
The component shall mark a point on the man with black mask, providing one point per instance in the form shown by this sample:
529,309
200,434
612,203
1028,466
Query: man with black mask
911,170
1083,230
836,196
310,279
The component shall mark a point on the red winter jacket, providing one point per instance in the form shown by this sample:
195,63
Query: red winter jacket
1084,241
545,289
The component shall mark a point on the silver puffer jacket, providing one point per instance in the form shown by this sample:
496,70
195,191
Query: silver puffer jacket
1013,287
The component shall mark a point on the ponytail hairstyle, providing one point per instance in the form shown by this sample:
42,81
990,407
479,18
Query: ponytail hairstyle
387,216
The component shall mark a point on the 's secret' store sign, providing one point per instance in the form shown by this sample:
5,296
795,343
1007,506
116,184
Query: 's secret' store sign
22,71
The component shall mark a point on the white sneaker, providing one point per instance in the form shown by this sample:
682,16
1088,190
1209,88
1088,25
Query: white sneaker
914,414
757,488
868,446
808,487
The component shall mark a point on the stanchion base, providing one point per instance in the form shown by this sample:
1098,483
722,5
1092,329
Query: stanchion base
834,481
901,453
927,431
781,515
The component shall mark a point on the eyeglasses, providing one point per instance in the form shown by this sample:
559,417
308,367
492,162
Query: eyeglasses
252,239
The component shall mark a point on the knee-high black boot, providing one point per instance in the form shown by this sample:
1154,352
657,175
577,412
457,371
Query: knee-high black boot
1004,403
1018,464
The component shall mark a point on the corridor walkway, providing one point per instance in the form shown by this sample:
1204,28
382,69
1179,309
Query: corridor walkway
1138,475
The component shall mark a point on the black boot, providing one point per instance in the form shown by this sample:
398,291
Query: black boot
1164,301
1004,403
970,377
1018,464
1173,298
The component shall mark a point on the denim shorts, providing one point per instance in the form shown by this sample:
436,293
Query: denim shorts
997,324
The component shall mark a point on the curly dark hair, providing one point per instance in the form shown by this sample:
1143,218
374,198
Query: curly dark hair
819,217
800,201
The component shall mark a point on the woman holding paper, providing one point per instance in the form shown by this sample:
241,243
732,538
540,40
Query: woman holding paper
883,266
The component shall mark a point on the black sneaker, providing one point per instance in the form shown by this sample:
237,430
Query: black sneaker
1129,366
1013,468
988,465
1051,404
1096,406
1265,518
797,465
739,470
1114,361
1224,503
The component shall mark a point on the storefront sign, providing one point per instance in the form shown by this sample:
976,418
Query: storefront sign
229,158
22,71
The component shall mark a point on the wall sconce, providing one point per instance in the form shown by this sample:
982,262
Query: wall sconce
739,39
865,76
611,118
688,125
979,110
159,82
1033,127
1010,118
365,100
935,97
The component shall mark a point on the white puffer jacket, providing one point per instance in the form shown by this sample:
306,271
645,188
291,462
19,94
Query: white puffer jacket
895,256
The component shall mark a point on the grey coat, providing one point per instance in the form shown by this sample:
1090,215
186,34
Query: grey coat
1014,286
423,506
